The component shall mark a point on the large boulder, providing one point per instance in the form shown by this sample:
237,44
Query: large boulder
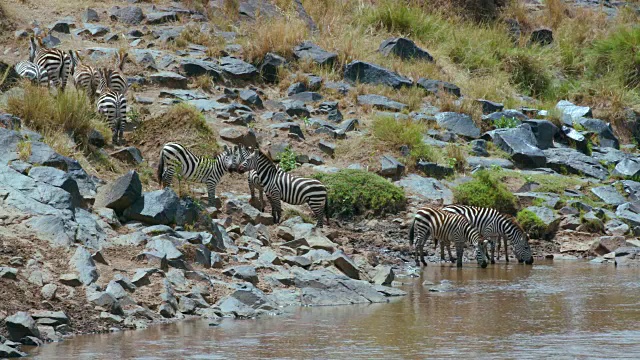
169,79
404,48
21,325
436,86
130,15
606,137
269,68
567,160
156,207
548,217
608,194
629,213
57,178
321,287
380,102
627,168
309,50
544,132
367,73
459,124
571,112
197,67
520,143
237,69
424,188
390,167
121,193
82,263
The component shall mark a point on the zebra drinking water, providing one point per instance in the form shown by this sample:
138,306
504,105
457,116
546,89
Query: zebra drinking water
175,157
282,186
445,226
495,226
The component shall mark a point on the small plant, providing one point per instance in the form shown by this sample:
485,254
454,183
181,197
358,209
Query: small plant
457,158
486,190
505,122
532,224
288,159
357,192
24,150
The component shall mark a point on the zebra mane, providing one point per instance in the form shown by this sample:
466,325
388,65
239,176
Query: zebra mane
515,222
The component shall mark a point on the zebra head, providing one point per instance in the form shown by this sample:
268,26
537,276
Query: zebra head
480,247
246,159
33,47
226,158
520,242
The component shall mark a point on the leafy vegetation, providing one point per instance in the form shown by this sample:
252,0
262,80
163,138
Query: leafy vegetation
532,224
486,190
288,159
396,133
357,192
505,122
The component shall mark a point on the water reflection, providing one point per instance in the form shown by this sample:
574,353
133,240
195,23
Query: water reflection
559,310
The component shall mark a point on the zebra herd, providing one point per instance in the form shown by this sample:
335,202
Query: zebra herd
53,67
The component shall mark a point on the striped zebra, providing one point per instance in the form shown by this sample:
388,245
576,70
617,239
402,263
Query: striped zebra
33,72
493,226
118,81
281,186
445,226
177,158
84,76
111,104
254,180
55,62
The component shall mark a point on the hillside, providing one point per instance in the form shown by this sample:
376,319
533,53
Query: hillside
529,107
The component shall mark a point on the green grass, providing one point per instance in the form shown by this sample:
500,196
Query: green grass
288,159
616,56
505,122
532,224
357,192
554,183
395,133
486,190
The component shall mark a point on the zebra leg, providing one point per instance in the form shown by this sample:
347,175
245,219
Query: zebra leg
262,204
493,249
211,192
167,177
451,258
276,206
442,250
506,249
459,253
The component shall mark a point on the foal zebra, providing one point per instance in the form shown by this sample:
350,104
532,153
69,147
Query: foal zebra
32,71
55,62
445,226
494,225
84,76
193,167
282,186
113,105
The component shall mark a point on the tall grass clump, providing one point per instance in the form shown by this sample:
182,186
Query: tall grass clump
68,112
278,36
357,192
616,56
395,133
486,190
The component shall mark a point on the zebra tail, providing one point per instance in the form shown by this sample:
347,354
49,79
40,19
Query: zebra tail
411,232
160,168
326,207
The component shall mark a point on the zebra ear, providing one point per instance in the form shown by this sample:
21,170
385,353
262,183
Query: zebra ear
225,148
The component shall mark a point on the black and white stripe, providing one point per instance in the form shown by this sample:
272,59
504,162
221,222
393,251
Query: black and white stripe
445,226
494,226
282,186
175,158
55,62
85,77
254,180
33,72
113,105
118,81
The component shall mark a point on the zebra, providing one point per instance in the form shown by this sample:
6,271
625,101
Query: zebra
494,225
55,62
282,186
84,76
113,105
445,226
191,166
32,71
253,179
118,81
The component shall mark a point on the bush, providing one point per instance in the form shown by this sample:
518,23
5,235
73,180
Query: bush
69,112
457,157
528,73
505,122
486,190
532,224
288,159
357,192
278,36
617,56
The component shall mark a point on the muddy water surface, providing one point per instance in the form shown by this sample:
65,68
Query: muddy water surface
556,310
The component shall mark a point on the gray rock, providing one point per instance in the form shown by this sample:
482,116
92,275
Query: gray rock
367,73
156,207
459,124
141,276
270,66
84,266
243,272
9,352
48,292
186,305
307,97
606,137
90,15
169,79
8,273
124,282
130,155
197,67
390,167
291,127
130,15
565,160
632,189
52,318
90,232
571,112
627,168
426,188
237,69
321,287
327,147
245,302
121,193
296,108
62,26
380,102
489,106
251,98
609,195
383,275
544,132
309,50
404,48
164,247
629,213
434,170
44,155
106,301
479,147
161,17
21,325
296,88
542,36
345,265
435,86
548,217
72,280
520,143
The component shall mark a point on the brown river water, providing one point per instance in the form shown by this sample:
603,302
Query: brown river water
557,310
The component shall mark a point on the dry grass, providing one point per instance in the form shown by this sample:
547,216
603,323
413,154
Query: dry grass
204,82
278,36
24,150
192,34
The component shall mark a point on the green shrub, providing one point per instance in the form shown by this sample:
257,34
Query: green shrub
505,122
357,192
486,190
617,56
288,159
532,224
396,133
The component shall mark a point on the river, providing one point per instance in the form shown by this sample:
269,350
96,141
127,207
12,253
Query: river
558,310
